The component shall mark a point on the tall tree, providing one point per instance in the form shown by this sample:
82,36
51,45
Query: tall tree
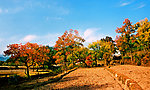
65,44
103,49
51,60
108,48
143,40
125,40
95,46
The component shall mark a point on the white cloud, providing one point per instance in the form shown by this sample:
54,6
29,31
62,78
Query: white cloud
11,10
88,32
29,38
91,35
48,39
1,39
6,10
3,10
141,6
124,4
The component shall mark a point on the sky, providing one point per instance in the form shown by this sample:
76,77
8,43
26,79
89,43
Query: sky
43,21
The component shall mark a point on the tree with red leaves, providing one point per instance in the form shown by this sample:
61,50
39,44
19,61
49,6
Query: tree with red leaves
29,54
125,41
66,44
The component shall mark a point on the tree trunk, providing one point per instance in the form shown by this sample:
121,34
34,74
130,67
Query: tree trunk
84,63
96,60
43,67
131,57
27,70
73,64
33,68
106,64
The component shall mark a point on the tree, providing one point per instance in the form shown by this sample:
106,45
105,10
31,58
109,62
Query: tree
24,53
108,48
81,54
125,41
65,45
142,40
95,46
51,60
103,49
29,54
43,55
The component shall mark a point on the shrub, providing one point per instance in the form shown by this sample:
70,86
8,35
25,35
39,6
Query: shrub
126,57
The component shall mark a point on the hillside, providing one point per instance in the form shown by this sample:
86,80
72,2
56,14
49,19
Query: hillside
2,58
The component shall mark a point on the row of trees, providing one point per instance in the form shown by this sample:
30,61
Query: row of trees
133,41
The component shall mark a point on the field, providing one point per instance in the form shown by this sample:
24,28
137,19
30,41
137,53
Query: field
19,71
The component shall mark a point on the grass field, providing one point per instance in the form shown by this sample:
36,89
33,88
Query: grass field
20,71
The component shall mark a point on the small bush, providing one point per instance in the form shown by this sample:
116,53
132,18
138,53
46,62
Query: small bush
70,66
126,57
81,64
58,70
93,64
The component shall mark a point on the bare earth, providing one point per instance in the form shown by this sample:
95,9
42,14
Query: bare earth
85,78
139,74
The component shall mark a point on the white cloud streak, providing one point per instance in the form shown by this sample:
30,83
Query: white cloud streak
124,4
3,10
29,38
141,6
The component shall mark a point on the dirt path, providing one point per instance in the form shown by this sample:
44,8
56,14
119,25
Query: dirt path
138,73
85,78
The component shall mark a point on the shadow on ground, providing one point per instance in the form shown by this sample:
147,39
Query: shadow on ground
84,87
70,78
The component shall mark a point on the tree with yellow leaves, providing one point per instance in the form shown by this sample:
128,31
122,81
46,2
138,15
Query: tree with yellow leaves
104,49
143,40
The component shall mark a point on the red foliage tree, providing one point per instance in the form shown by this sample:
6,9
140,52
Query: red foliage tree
66,44
29,54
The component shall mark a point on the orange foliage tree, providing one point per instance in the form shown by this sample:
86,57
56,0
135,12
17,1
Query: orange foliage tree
42,56
29,54
125,41
66,44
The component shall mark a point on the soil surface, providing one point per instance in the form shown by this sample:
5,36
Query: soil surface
85,79
139,74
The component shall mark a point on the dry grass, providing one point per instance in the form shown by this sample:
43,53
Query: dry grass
20,72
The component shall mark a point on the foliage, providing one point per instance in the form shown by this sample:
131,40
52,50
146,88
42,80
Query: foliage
125,41
103,49
66,45
29,54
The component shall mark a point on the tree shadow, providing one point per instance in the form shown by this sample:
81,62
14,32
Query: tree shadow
88,87
70,78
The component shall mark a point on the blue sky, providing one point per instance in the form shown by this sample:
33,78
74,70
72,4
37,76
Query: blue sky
42,21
